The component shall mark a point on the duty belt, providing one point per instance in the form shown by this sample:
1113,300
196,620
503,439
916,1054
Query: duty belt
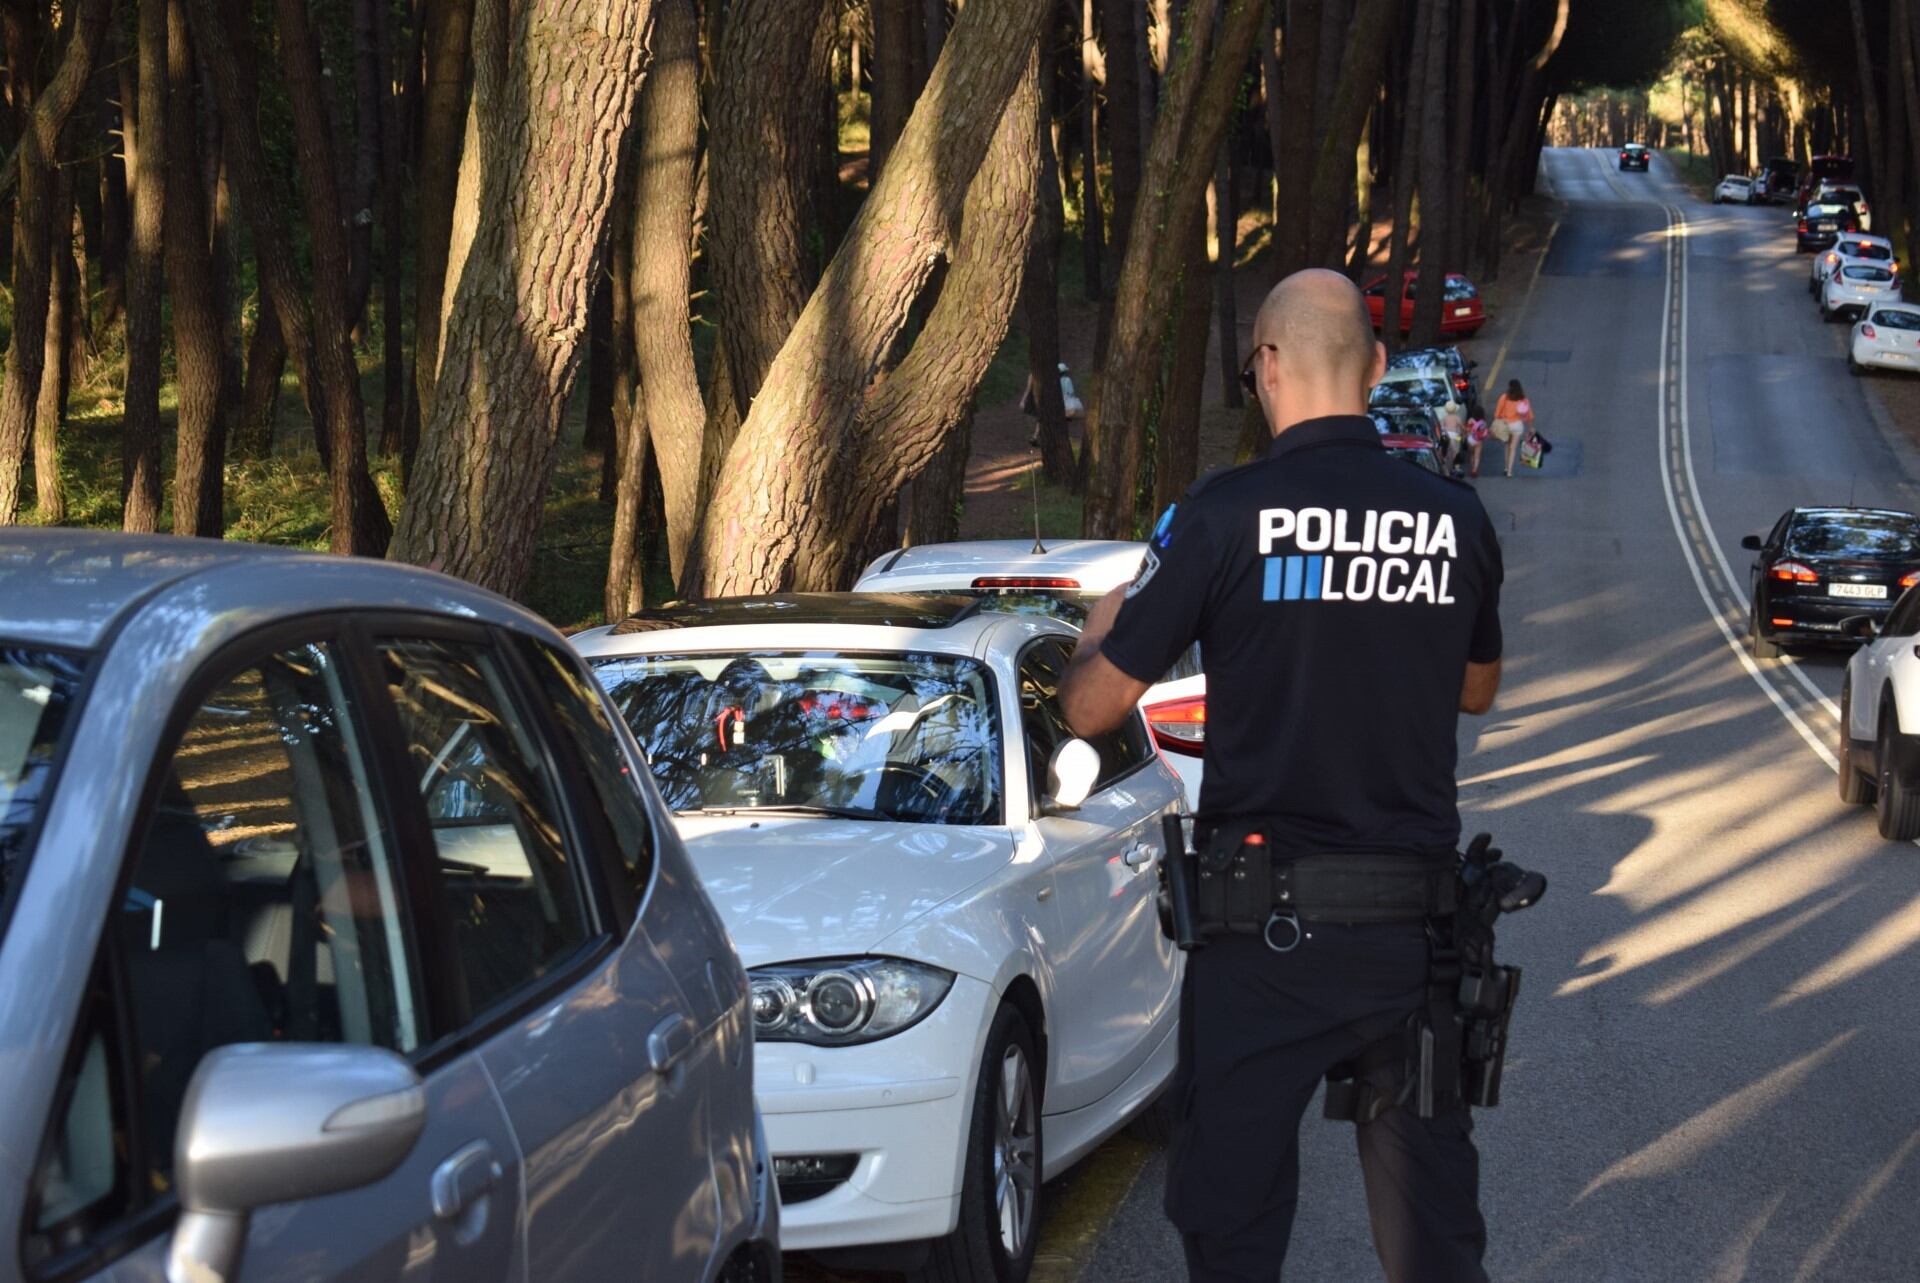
1243,886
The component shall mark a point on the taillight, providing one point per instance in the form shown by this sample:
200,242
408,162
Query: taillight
1792,572
1866,331
1180,725
1023,581
1803,224
1909,579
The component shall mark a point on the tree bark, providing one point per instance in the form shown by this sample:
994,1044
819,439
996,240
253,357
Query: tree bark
1291,130
1339,134
894,85
823,446
1092,215
115,212
260,393
1040,304
199,447
535,188
140,433
939,490
1406,177
1436,200
623,487
668,134
394,106
1460,147
1225,209
359,518
448,29
1522,130
369,95
49,420
1126,145
597,432
1176,443
1193,117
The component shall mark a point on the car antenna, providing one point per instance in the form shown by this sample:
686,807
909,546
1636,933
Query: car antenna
1039,549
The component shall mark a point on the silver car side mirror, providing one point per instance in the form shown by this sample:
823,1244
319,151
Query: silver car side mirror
1071,775
276,1123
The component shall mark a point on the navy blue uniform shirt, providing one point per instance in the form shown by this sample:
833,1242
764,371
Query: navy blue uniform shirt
1337,594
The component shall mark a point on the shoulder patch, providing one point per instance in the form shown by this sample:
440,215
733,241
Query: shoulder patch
1149,566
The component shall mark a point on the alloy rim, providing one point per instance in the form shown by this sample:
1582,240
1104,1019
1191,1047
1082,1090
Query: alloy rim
1015,1174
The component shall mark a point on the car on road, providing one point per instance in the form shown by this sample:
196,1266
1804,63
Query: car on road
1820,169
1855,287
1448,361
1062,578
1635,156
1820,225
1420,451
1407,421
1886,338
1853,247
1879,741
1818,568
1832,193
342,933
1734,189
1461,313
946,901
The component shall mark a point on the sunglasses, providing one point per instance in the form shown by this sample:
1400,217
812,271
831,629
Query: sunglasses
1247,379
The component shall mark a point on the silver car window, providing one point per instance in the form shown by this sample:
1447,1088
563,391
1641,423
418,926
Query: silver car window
37,691
1897,320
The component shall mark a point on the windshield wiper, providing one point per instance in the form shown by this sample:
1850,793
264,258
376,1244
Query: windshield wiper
831,812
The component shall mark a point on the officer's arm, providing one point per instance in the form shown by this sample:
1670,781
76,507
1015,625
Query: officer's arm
1481,685
1095,695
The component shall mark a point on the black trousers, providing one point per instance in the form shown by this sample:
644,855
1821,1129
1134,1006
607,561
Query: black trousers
1259,1030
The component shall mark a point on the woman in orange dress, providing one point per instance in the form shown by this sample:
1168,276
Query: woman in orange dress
1513,420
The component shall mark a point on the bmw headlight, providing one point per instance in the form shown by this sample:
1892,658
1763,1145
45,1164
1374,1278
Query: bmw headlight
842,1001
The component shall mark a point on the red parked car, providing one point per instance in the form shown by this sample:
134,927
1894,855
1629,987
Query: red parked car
1461,317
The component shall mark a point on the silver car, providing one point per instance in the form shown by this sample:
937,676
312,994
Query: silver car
343,936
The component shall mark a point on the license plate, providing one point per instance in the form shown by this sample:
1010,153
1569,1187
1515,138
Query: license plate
1826,227
1877,592
1463,311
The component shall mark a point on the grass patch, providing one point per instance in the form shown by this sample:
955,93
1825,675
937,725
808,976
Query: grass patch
1693,169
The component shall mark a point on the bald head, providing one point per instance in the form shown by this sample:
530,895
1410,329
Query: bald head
1325,357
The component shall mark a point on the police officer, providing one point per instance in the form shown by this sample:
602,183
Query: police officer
1346,607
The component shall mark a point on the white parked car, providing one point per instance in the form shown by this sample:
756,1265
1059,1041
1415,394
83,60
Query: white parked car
1886,338
1855,287
1880,720
947,904
1734,189
1063,578
1850,247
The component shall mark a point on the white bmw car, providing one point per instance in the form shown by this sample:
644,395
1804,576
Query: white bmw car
1886,338
1063,578
1855,288
947,904
1880,720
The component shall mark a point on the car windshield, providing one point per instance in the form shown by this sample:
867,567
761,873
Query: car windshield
1898,320
1862,272
1862,249
1400,423
1459,291
1864,536
1825,211
1425,358
1412,392
904,737
37,692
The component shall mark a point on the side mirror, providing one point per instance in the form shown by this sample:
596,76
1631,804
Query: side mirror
280,1122
1751,543
1862,627
1071,775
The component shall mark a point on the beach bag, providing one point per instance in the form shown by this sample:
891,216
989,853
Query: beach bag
1531,452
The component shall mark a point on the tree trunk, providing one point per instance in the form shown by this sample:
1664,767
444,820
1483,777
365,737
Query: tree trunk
823,447
1869,94
115,212
1521,132
140,439
1224,207
939,490
360,525
1040,304
668,134
597,433
1193,117
1406,178
628,452
369,98
1436,199
49,494
1176,453
394,106
1291,130
1360,67
1460,148
448,28
1092,216
1125,147
260,394
894,86
224,242
534,189
200,450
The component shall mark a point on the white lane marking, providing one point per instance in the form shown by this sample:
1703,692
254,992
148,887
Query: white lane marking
1673,390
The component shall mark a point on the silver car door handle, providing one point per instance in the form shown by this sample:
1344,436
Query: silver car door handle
463,1179
669,1041
1139,856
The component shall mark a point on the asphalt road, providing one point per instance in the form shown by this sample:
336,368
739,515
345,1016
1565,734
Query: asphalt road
1714,1058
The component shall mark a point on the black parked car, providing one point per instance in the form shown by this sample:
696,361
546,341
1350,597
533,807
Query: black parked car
1821,224
1635,156
1820,567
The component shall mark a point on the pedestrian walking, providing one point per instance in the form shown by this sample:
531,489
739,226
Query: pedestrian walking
1329,791
1453,429
1512,419
1476,435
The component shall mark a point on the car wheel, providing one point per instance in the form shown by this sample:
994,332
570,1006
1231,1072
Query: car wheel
1762,646
1000,1200
1898,810
1857,788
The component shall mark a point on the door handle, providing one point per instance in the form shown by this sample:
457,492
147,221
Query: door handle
670,1040
464,1179
1139,856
